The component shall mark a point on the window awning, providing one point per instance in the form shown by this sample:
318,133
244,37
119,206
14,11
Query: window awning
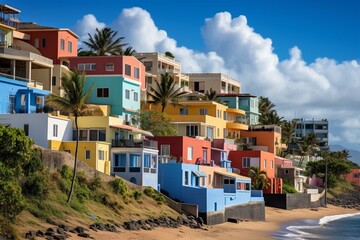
199,173
133,129
231,175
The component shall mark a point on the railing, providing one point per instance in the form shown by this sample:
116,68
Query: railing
134,143
30,55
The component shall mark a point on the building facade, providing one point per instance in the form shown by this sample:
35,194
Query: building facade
200,82
320,127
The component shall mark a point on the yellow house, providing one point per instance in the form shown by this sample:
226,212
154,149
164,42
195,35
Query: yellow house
204,119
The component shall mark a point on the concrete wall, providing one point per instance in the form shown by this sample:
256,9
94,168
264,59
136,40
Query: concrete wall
251,211
288,201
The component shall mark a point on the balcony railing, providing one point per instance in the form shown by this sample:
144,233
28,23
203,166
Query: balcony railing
134,143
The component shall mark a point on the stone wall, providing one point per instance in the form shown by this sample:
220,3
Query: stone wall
288,201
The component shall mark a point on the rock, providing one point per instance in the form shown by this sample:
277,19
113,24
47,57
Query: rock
66,228
84,235
40,233
79,230
30,235
200,221
60,231
59,237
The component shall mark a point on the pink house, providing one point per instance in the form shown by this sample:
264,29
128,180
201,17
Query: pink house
283,162
353,176
184,149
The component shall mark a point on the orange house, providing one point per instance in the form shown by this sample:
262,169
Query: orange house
263,137
54,43
353,176
264,160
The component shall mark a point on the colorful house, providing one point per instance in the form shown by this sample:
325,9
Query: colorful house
247,102
353,176
17,97
19,60
204,119
117,82
292,176
262,137
184,150
200,82
264,160
212,189
220,149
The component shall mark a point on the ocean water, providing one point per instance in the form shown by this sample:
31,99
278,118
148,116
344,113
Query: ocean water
345,226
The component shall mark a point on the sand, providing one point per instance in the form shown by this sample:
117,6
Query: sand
275,218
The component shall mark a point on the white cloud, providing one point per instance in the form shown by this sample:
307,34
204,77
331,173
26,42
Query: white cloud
334,139
87,24
322,89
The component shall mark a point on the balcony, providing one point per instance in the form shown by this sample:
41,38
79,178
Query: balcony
236,126
27,56
134,143
169,71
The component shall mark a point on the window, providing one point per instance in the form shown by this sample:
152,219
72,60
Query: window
70,47
120,160
127,70
87,66
190,153
87,154
186,178
146,160
62,44
286,171
101,155
192,131
245,162
83,135
43,43
218,113
272,164
102,135
127,94
55,130
148,66
165,150
93,135
109,67
11,104
264,163
53,81
183,111
103,92
203,111
36,42
26,129
308,126
135,163
136,96
136,72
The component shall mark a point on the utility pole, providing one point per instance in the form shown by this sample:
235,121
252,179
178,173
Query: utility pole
326,173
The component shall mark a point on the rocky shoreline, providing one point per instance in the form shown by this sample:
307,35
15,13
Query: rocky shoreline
61,231
347,200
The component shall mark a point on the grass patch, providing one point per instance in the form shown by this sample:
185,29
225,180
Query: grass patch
43,209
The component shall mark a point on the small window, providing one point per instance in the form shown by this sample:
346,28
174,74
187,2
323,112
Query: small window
62,44
87,154
136,96
102,135
101,155
272,164
190,153
127,70
109,67
127,94
93,135
136,72
264,163
286,171
70,47
26,129
246,162
184,111
36,42
43,43
103,92
53,81
186,178
165,150
203,111
55,130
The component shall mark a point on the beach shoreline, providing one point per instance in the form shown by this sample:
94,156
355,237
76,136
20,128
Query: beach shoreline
275,219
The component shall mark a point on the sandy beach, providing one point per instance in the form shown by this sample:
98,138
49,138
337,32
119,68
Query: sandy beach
275,218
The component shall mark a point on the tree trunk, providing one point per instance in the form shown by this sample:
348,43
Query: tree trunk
163,107
75,161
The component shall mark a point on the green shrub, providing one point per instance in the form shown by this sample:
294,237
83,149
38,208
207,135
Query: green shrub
96,183
149,191
81,178
36,185
119,186
287,188
82,192
66,172
159,198
11,199
43,210
137,195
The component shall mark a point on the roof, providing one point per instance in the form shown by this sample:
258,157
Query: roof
199,173
232,175
133,129
32,26
8,10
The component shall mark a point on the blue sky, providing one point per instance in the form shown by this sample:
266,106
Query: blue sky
303,55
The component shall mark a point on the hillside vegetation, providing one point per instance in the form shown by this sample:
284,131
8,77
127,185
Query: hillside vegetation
33,197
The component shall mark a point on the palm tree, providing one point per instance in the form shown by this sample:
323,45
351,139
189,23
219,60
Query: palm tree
265,105
259,178
103,43
165,92
288,129
271,118
211,95
73,102
129,51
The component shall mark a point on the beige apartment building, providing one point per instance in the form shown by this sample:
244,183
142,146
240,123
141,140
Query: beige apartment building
200,82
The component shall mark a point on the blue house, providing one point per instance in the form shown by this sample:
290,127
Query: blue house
212,189
247,102
17,97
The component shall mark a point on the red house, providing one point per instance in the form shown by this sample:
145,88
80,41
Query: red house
264,160
353,176
184,149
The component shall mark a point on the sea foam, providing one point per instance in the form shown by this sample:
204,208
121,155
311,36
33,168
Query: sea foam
328,219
